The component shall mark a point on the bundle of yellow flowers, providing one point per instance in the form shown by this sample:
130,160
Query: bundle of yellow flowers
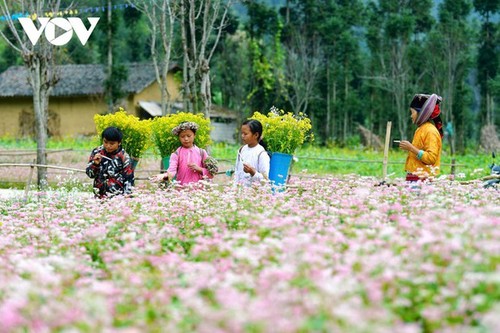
166,142
284,132
136,132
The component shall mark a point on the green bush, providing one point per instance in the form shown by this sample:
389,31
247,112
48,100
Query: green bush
136,132
166,143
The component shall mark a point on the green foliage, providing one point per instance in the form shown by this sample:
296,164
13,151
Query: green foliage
136,133
166,143
262,70
247,68
284,132
233,72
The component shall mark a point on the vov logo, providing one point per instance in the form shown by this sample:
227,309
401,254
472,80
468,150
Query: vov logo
68,25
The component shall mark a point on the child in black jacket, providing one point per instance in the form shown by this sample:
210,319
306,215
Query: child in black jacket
110,166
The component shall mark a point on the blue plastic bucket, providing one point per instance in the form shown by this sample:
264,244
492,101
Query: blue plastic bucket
279,168
165,162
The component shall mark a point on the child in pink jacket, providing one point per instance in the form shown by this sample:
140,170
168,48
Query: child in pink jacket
187,161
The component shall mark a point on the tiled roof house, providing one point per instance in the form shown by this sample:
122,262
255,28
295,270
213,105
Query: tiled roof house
76,98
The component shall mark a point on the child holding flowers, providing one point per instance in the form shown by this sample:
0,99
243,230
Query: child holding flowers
189,163
110,166
252,163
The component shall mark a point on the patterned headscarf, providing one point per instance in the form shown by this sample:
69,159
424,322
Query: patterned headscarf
185,126
427,107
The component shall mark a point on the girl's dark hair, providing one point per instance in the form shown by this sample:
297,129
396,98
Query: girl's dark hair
112,134
255,127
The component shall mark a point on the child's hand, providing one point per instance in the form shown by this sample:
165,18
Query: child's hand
248,169
195,167
97,159
159,178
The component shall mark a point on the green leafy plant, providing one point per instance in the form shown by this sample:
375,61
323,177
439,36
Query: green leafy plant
166,143
136,132
284,132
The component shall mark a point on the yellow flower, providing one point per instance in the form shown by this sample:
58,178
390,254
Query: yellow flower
166,143
136,132
283,132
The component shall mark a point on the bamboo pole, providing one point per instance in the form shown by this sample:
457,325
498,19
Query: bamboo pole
40,165
26,152
386,149
28,182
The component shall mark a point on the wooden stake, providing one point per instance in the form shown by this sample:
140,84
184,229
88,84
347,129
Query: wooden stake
28,182
386,149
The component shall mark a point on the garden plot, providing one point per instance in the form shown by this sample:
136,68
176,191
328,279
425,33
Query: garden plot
327,255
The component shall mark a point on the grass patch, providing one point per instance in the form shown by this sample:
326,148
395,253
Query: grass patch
84,143
366,162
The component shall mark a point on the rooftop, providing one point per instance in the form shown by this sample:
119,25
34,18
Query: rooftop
77,80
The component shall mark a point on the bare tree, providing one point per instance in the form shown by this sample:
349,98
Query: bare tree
303,64
395,79
162,15
39,62
202,26
395,28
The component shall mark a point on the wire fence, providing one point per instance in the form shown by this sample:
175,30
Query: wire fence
145,173
31,152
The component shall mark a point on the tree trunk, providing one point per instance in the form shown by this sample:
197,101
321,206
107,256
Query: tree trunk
185,87
192,48
166,48
328,104
165,98
346,111
370,119
401,119
334,102
205,94
492,110
198,24
110,57
489,113
40,104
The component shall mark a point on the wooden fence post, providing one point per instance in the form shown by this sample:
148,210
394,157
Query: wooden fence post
386,149
28,182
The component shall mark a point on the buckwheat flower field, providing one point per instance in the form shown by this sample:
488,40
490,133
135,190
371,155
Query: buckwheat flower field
328,255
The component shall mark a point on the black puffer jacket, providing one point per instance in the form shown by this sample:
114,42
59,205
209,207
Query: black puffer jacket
114,175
